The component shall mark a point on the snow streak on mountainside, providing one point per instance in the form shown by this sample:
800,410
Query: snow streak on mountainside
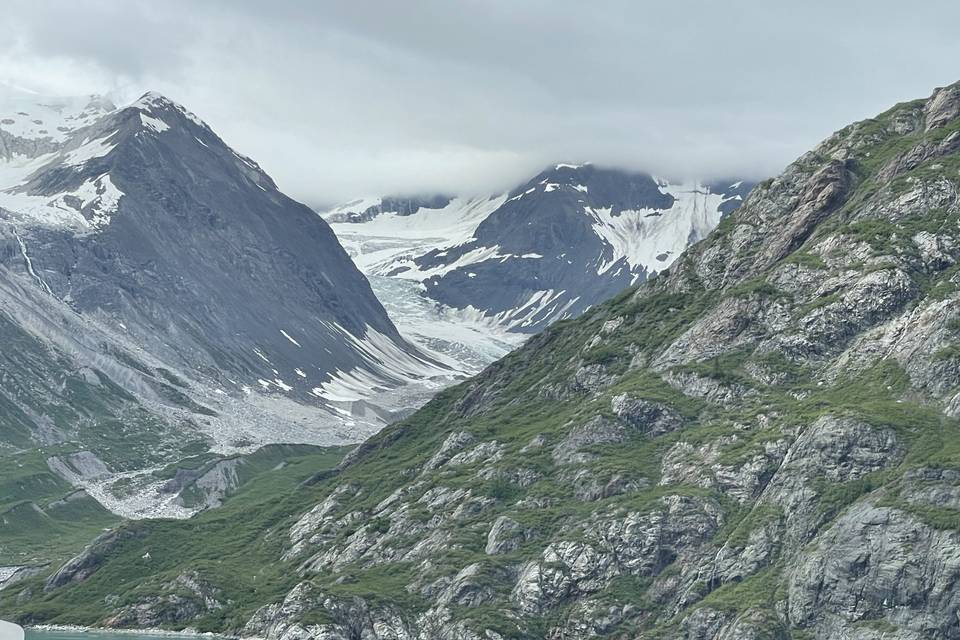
150,269
508,265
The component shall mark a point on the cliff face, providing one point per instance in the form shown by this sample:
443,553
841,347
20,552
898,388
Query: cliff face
761,443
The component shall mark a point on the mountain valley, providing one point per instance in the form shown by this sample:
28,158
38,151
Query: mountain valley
758,442
472,277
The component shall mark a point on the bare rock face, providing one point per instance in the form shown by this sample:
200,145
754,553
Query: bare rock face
505,536
648,417
943,107
873,564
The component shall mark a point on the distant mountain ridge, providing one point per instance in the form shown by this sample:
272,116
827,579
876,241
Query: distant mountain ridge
570,237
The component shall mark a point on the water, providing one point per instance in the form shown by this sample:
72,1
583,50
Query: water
43,634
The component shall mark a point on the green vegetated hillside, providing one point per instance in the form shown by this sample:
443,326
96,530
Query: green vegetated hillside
762,443
43,517
223,541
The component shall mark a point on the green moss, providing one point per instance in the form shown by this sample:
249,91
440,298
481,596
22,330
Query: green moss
834,497
226,546
951,352
379,525
879,624
757,287
806,259
758,591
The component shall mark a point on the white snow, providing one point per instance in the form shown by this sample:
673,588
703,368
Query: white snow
465,336
52,122
98,196
543,303
152,101
103,195
640,236
390,241
89,150
156,124
358,205
36,117
474,256
287,336
385,365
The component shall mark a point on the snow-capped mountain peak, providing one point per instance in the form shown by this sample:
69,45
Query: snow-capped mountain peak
76,181
153,103
568,238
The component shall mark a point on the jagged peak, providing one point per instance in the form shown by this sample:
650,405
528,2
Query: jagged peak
154,99
152,102
943,106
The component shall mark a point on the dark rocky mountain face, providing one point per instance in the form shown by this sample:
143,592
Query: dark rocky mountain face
202,258
569,238
760,443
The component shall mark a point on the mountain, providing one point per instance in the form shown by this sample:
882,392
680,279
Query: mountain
760,442
571,237
161,299
180,236
497,269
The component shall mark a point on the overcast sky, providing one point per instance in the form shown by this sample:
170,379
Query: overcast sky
339,99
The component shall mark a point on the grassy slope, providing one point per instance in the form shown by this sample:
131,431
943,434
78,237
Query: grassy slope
226,545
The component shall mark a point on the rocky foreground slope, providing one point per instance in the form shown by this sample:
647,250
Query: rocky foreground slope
761,443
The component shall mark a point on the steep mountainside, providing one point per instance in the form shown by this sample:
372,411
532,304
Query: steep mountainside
193,249
761,442
161,299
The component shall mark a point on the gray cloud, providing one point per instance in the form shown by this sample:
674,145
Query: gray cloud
337,99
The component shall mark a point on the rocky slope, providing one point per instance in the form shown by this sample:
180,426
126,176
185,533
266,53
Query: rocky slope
761,442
